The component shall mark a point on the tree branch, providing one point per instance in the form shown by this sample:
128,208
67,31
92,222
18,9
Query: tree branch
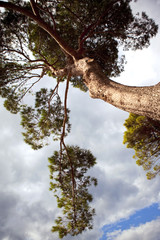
50,14
64,123
62,44
73,13
41,76
63,144
19,9
34,8
65,108
52,95
90,29
73,183
139,100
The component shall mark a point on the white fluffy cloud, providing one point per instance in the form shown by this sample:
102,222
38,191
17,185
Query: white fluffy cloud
147,231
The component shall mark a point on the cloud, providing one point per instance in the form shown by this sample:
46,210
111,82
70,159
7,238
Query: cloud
147,231
142,66
19,220
25,175
117,198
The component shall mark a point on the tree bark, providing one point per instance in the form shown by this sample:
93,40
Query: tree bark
143,101
139,100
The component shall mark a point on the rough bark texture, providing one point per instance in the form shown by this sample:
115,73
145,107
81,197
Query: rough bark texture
139,100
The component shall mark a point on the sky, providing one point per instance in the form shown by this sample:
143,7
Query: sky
127,204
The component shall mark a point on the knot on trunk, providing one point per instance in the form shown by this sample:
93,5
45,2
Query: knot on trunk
83,64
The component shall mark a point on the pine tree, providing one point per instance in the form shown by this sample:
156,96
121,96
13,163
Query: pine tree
143,135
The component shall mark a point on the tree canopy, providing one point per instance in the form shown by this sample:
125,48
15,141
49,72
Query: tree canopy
79,43
94,29
143,135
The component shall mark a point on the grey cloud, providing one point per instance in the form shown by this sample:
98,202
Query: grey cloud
8,203
19,220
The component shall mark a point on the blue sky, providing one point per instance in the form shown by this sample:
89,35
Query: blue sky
140,217
126,203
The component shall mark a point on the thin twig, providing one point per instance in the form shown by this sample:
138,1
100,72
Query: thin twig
42,74
52,95
50,14
27,57
73,13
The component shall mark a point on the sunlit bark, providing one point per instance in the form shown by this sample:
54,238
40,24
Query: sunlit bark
139,100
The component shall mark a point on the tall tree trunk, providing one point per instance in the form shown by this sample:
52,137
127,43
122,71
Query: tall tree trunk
139,100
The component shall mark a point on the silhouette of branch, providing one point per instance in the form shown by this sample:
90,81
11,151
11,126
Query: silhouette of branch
64,122
53,94
41,76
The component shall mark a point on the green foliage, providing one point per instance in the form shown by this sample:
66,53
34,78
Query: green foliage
77,82
44,120
143,135
68,178
12,101
44,47
105,26
95,29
